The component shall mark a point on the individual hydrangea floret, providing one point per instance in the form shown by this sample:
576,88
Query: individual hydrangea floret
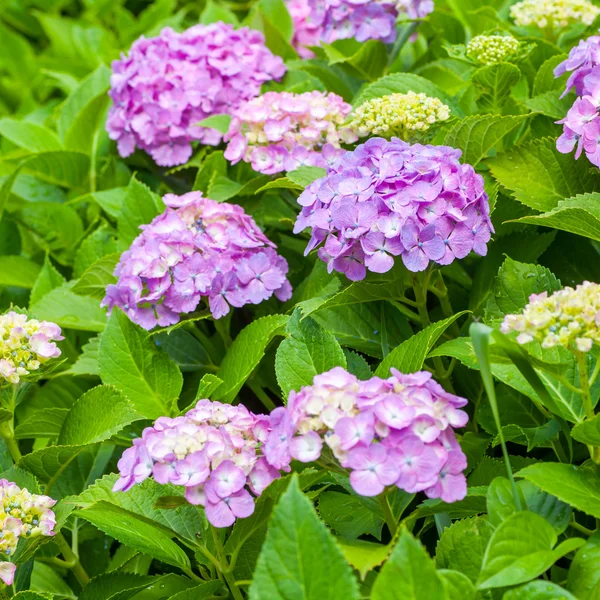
25,344
492,49
401,115
22,515
317,21
553,14
197,248
569,318
168,84
391,198
280,131
214,451
581,125
396,431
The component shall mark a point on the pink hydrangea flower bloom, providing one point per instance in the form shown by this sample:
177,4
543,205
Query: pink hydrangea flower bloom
396,431
168,84
213,451
197,248
280,131
317,21
390,198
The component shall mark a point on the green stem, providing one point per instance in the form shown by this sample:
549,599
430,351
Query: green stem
260,393
71,558
595,373
575,525
224,568
7,428
401,39
410,314
388,515
584,382
444,298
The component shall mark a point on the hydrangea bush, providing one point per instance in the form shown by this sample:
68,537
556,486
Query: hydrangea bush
300,300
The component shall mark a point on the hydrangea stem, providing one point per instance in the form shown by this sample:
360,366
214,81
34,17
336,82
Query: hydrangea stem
586,395
7,428
388,515
71,559
224,568
402,36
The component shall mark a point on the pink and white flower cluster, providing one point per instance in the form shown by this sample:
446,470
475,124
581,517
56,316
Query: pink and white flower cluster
168,84
396,431
280,131
197,248
22,515
25,344
581,126
214,451
391,198
317,21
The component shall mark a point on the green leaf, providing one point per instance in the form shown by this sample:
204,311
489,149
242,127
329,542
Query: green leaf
549,104
214,12
364,556
31,596
539,176
99,414
495,83
222,188
245,353
304,176
186,520
44,423
96,277
214,165
29,136
283,183
63,168
117,586
409,574
139,207
130,361
584,576
478,134
277,13
87,128
69,310
110,201
299,559
45,579
401,83
6,188
577,486
349,516
520,550
218,122
409,356
204,591
48,464
135,531
208,385
307,351
579,215
538,590
458,585
47,280
18,271
87,361
587,432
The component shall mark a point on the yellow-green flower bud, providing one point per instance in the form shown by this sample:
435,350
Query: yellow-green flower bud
568,318
399,115
491,49
553,14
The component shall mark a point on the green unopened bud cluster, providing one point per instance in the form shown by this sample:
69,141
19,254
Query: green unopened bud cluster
399,115
568,318
492,49
553,14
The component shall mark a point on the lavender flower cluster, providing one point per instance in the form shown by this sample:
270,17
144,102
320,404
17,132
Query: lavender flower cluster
213,451
317,21
168,84
581,126
280,131
395,431
196,248
390,198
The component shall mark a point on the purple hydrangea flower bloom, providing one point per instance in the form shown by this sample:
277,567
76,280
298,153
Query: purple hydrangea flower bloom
395,431
168,84
317,21
197,248
390,198
214,451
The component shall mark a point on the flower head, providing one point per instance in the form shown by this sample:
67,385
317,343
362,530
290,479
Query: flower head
25,344
280,131
197,248
214,451
553,14
569,318
492,49
317,21
168,84
22,515
390,198
399,115
581,61
395,431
